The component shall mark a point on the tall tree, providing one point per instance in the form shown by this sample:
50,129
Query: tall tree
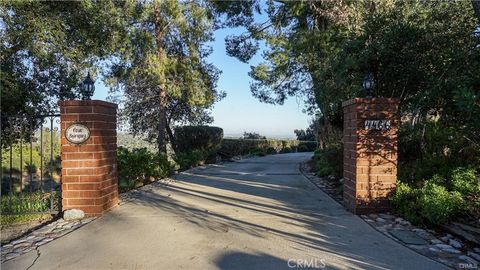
47,48
301,39
164,64
323,49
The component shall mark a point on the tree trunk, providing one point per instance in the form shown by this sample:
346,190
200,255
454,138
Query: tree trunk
171,138
162,110
476,8
162,122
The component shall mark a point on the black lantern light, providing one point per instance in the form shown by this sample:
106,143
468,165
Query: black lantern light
88,86
368,85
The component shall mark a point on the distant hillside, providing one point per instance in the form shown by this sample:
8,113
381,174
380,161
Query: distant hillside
130,142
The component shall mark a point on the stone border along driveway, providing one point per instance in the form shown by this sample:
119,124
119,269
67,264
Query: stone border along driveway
39,237
443,248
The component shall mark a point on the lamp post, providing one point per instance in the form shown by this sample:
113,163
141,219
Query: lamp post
88,87
368,85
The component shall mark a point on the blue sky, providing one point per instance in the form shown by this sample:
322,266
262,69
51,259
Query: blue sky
240,111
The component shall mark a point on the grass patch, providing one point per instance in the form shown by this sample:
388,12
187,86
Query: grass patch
9,220
25,203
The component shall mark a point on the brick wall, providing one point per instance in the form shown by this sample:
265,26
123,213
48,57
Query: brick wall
89,170
370,156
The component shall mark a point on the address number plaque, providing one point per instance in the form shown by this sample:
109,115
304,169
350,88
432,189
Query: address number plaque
377,125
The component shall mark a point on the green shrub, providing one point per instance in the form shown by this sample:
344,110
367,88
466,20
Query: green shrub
466,182
329,161
323,168
439,205
258,152
307,146
140,166
431,203
205,138
286,150
406,202
191,159
433,148
196,145
302,148
271,151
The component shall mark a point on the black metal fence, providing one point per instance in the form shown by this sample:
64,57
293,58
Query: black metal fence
31,166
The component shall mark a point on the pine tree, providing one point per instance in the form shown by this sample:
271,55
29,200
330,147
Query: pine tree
164,64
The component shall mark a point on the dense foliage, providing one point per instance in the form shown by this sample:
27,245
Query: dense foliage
195,145
163,71
193,158
154,52
188,138
235,147
253,136
439,199
140,166
305,135
329,161
427,54
47,49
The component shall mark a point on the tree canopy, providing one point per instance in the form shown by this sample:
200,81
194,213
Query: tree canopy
163,71
253,136
152,51
47,48
425,53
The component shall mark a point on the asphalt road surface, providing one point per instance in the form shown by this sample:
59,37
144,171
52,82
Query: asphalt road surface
258,213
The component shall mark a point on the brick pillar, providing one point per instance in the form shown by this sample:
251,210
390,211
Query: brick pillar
89,170
370,153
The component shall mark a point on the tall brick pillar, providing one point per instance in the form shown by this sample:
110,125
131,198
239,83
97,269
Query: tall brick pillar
370,153
89,169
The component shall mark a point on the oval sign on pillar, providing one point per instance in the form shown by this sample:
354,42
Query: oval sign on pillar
77,133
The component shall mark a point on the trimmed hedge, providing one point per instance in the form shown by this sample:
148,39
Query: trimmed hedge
205,138
196,145
235,147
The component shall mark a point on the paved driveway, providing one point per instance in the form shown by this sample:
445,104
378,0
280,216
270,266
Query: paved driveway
259,213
